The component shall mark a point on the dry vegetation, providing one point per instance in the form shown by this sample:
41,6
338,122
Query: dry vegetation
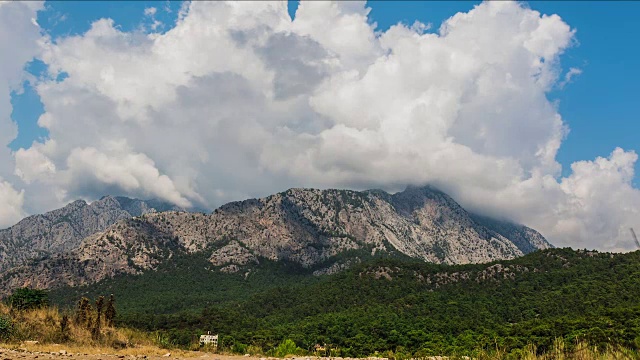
581,351
45,330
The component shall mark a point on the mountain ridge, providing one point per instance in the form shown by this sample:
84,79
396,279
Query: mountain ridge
63,229
311,227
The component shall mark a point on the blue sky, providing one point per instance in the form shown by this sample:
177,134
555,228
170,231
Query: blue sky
599,105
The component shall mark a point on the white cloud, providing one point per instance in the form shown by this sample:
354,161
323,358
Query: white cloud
341,28
239,101
88,170
150,11
32,164
18,44
11,208
19,35
568,77
599,191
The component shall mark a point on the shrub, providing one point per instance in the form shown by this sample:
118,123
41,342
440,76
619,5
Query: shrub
239,348
25,298
253,350
64,327
161,339
5,328
83,313
287,347
95,331
110,311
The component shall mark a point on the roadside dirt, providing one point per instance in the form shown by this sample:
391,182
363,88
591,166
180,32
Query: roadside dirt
23,354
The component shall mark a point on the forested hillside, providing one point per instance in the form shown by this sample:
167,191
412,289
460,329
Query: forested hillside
394,304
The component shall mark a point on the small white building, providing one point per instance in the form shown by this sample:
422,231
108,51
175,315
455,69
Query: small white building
209,340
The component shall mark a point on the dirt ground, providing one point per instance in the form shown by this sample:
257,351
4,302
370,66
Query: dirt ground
24,353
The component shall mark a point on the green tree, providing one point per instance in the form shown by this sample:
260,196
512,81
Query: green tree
287,347
25,298
95,331
64,327
110,311
83,313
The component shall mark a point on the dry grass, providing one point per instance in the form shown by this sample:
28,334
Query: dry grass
559,351
43,326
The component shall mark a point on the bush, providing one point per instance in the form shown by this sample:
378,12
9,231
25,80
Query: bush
253,350
25,298
239,348
287,347
161,339
83,313
5,328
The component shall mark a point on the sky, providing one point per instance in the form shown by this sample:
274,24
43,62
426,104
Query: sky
519,110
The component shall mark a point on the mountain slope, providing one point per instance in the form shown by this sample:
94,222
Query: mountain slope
63,229
390,304
324,230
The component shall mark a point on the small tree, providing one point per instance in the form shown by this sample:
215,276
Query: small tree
287,347
95,332
64,327
110,311
83,313
25,298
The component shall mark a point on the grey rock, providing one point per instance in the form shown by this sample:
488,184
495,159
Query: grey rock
305,226
62,230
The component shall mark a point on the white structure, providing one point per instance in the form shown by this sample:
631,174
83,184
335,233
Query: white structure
209,339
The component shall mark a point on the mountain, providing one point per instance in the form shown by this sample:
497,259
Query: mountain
63,229
324,231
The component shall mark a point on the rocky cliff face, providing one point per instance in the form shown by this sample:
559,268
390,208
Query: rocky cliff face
62,230
323,230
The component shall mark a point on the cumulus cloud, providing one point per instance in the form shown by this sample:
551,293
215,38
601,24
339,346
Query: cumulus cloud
238,100
90,170
18,45
19,35
32,164
12,201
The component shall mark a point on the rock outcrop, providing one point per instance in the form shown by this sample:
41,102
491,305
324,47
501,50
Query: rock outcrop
63,229
323,230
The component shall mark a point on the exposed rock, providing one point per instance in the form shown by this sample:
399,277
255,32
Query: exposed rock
234,252
62,230
336,267
326,229
230,269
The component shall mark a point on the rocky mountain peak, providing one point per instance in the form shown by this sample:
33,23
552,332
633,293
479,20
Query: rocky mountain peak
63,229
414,200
